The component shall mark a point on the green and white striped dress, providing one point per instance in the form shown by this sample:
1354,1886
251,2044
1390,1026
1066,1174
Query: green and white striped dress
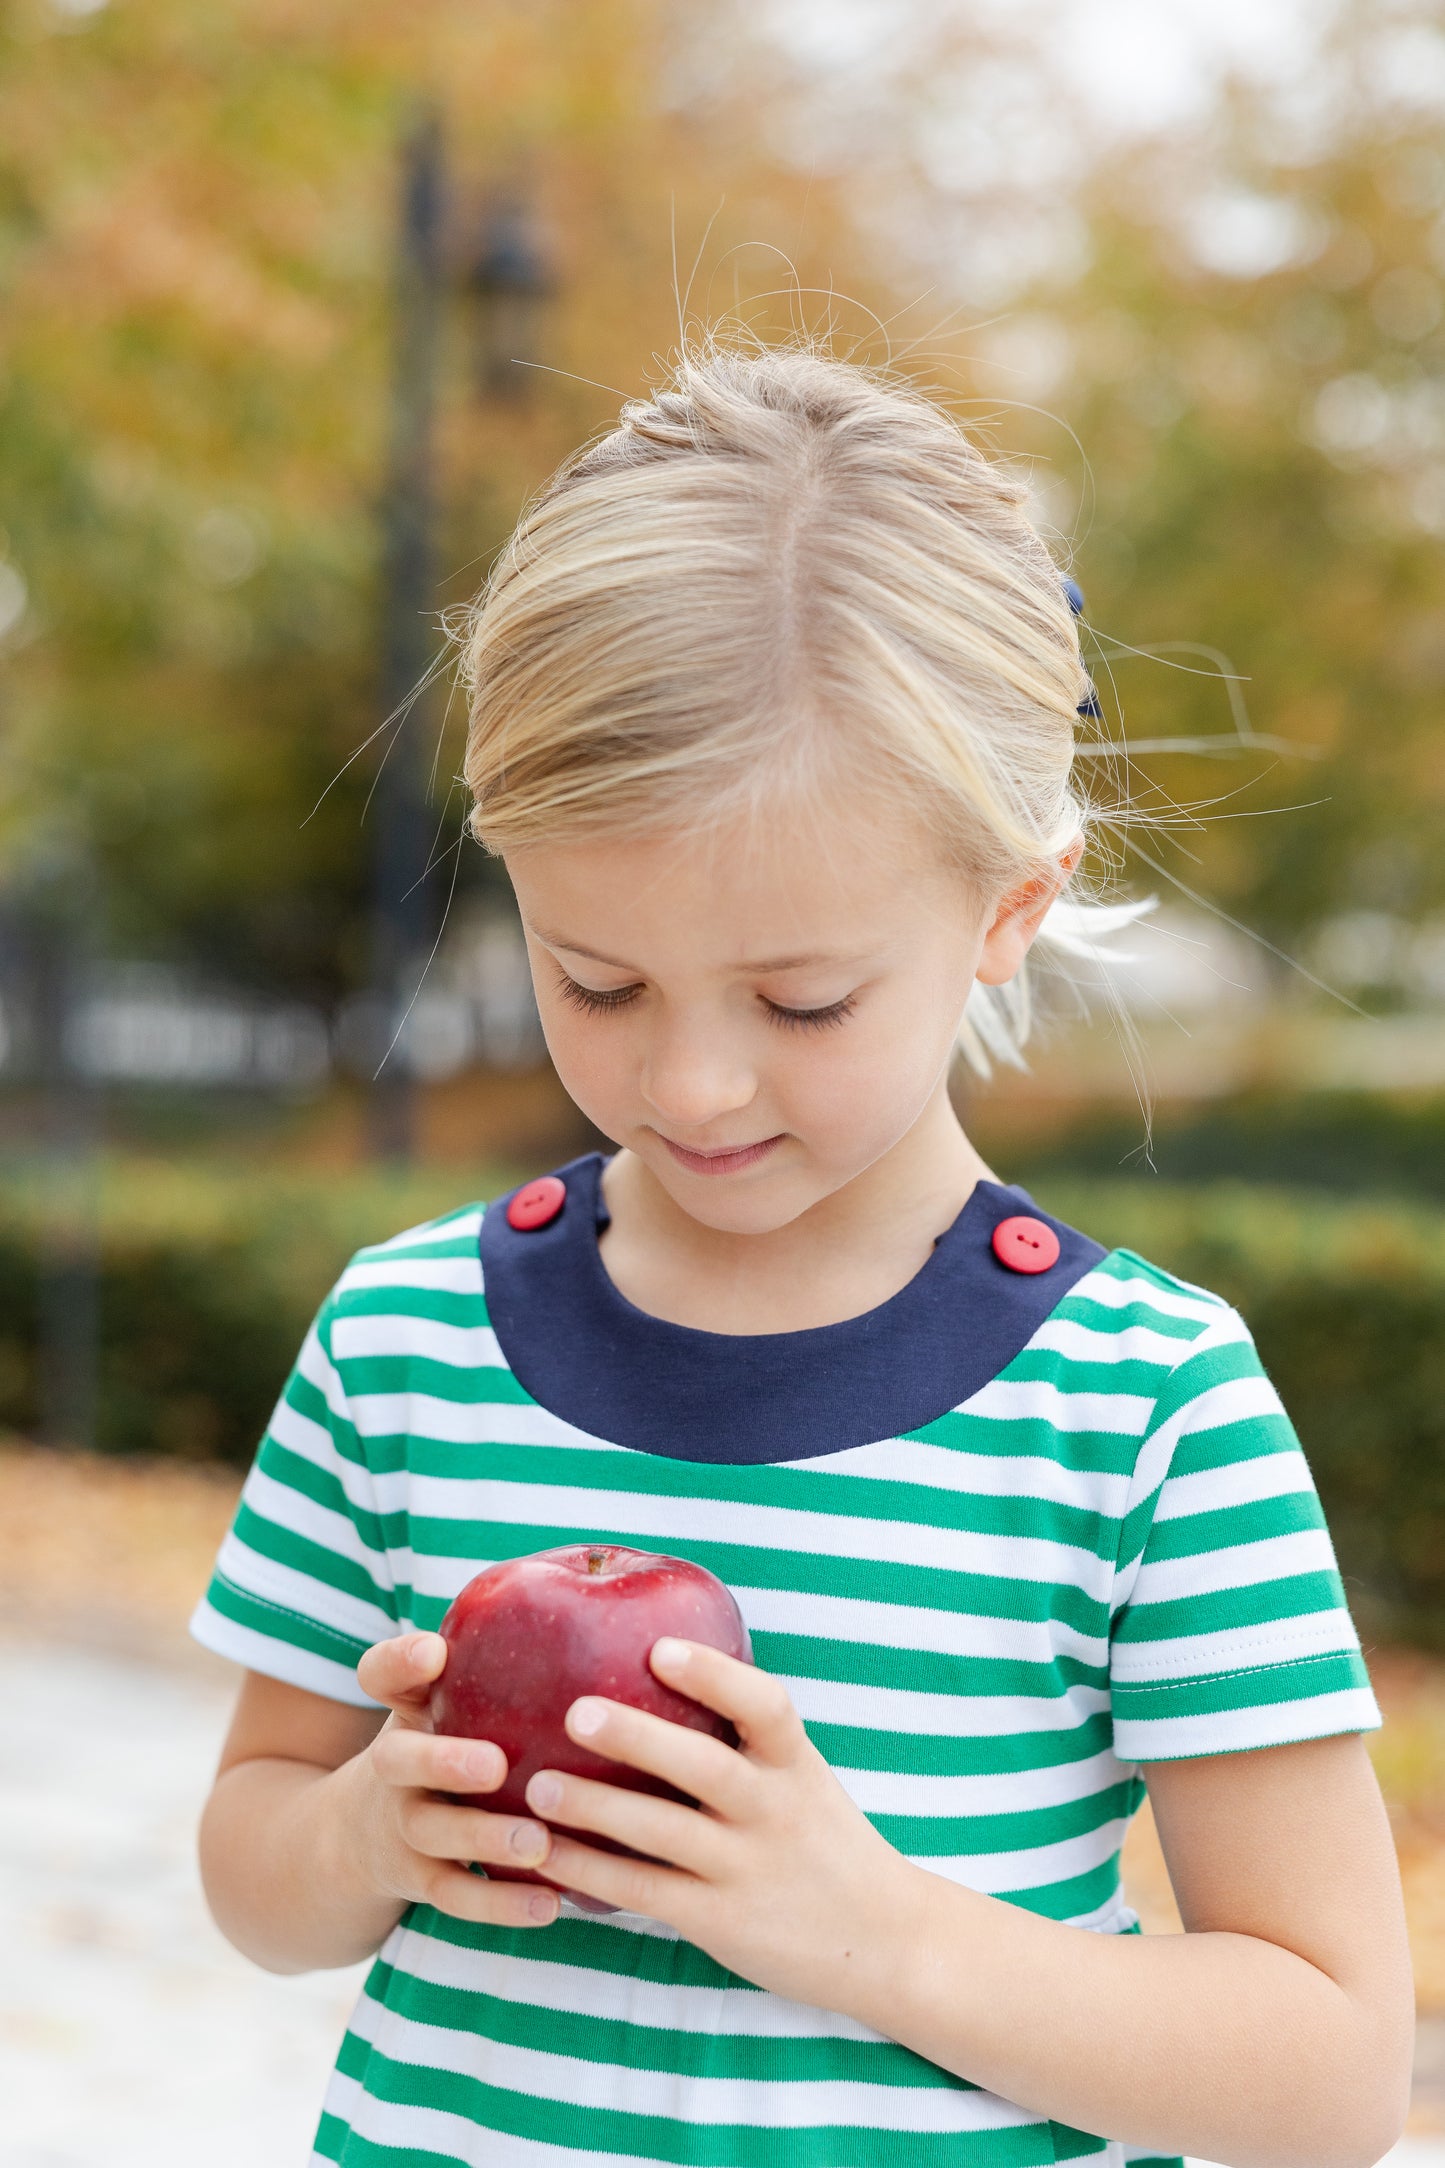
1111,1553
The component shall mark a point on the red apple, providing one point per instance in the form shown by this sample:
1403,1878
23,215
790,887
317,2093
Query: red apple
527,1636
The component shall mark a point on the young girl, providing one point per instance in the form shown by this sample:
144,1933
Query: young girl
774,702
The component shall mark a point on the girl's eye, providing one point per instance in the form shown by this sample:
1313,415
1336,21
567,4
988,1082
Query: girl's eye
594,1000
816,1019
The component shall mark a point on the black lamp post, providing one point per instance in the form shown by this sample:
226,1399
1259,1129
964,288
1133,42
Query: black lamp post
508,276
63,924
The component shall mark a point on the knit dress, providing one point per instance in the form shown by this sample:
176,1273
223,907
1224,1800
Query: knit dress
1006,1538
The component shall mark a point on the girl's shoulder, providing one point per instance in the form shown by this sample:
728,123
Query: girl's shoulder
437,1255
1127,1288
1169,1339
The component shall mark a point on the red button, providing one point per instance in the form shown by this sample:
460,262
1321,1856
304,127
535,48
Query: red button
538,1204
1025,1245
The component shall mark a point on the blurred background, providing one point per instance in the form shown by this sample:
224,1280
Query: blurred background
299,306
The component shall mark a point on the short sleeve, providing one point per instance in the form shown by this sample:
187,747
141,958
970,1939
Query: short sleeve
302,1584
1230,1627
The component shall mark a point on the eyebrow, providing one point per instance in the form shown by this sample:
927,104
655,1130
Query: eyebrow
771,963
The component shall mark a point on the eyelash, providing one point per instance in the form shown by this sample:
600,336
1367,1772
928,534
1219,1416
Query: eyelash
594,1003
812,1019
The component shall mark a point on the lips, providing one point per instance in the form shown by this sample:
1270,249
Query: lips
730,1159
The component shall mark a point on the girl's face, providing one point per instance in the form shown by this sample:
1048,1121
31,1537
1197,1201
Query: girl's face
761,1013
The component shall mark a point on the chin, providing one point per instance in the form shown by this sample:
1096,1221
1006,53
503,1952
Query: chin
747,1204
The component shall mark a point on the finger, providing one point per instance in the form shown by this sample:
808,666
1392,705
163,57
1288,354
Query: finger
466,1896
705,1768
463,1833
632,1885
435,1761
400,1672
753,1700
660,1827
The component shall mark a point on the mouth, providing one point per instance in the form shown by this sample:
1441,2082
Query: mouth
723,1159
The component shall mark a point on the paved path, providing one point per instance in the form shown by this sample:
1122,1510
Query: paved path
131,2034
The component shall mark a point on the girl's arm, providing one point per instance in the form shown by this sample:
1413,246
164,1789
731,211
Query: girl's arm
274,1875
325,1821
1276,2032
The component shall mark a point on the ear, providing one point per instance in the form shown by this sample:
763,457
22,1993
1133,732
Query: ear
1018,917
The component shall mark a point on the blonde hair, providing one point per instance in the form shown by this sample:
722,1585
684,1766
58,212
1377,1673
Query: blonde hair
781,571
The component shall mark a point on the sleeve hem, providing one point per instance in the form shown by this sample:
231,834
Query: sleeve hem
227,1594
276,1658
1191,1734
1121,1681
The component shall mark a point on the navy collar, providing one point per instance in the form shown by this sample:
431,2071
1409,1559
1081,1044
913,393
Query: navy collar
587,1354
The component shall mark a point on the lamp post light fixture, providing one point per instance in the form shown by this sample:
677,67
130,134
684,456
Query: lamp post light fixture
511,277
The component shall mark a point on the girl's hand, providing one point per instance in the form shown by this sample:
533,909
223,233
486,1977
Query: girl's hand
775,1873
406,1841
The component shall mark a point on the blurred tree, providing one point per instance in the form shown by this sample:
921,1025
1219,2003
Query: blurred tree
1254,363
196,224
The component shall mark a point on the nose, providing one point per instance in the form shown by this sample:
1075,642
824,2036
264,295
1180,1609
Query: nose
690,1077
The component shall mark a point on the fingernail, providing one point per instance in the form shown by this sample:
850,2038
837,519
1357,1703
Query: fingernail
426,1648
481,1763
544,1793
673,1654
530,1842
542,1908
586,1717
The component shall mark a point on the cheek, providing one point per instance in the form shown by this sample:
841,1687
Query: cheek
876,1073
588,1053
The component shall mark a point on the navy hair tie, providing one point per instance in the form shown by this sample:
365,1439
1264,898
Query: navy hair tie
1075,594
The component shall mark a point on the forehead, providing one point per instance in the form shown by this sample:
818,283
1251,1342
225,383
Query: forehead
824,880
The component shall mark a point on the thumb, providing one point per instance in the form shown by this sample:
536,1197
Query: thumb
400,1672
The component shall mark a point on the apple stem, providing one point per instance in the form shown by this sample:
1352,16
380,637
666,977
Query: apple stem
595,1561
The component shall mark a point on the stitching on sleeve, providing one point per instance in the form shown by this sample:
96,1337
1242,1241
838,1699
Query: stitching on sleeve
1245,1671
267,1603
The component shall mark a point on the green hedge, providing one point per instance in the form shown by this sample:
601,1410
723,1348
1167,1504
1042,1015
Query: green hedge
209,1281
1349,1143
